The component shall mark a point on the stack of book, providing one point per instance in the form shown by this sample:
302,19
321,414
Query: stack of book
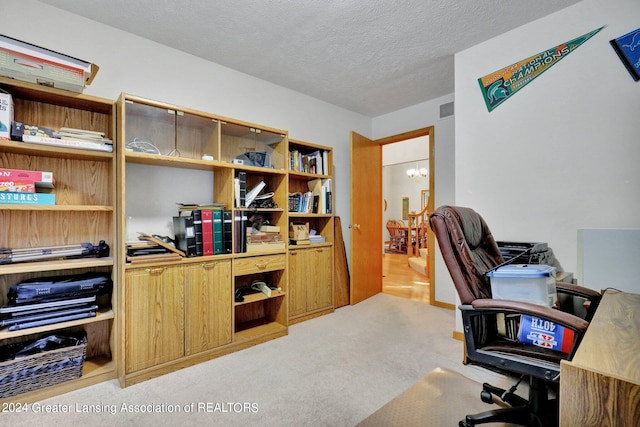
20,186
65,137
265,239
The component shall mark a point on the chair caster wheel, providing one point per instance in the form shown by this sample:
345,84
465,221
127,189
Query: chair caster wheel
463,424
486,397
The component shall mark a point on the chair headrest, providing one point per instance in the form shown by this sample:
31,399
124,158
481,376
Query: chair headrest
468,248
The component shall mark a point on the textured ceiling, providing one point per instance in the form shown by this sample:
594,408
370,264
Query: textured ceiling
368,56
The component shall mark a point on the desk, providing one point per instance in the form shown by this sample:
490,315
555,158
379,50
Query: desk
601,385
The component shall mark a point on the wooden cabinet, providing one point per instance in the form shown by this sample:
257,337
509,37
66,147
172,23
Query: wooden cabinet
84,212
176,310
154,331
310,267
310,282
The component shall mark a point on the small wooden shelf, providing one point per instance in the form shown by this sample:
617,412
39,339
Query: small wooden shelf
67,264
101,316
174,162
305,175
308,215
259,296
54,151
58,208
259,328
313,245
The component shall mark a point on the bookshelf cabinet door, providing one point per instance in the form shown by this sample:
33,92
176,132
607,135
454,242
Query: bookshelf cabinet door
207,305
310,280
154,316
320,291
298,278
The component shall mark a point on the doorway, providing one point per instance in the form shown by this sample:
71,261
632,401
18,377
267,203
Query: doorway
366,203
405,190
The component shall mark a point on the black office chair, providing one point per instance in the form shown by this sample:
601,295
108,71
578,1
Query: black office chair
469,251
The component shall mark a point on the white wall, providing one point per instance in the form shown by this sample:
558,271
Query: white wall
416,117
561,154
140,67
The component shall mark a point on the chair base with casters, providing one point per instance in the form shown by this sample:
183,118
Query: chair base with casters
537,411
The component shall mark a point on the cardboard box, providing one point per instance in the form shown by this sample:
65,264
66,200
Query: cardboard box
299,231
6,114
35,64
534,283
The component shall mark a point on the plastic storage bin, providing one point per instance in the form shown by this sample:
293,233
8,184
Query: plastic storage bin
534,283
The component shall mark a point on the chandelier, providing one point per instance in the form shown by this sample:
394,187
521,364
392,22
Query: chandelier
417,172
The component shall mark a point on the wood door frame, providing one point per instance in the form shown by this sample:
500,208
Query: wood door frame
426,131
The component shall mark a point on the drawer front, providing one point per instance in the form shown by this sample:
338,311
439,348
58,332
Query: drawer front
258,264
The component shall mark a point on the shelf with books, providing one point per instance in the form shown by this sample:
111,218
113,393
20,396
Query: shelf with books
309,160
310,258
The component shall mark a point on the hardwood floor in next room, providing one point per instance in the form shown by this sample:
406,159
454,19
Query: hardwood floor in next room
401,280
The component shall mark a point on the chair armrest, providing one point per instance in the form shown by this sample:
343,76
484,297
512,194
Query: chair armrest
565,319
579,291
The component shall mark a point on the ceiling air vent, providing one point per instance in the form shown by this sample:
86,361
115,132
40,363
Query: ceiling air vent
446,110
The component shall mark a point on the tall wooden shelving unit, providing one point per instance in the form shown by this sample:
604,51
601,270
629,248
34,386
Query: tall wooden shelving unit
178,313
311,292
85,211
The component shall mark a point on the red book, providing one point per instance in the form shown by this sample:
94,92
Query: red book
207,232
41,179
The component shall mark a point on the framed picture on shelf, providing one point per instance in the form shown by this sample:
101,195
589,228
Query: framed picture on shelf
628,49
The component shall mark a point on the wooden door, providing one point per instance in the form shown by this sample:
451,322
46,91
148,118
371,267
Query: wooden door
366,218
154,316
207,305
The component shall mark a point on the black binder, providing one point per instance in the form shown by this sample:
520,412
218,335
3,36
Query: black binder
197,227
227,227
184,230
240,228
242,177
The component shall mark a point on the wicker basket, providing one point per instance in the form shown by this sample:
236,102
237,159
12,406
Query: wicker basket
41,370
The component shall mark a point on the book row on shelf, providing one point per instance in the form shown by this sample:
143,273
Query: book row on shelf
316,162
317,200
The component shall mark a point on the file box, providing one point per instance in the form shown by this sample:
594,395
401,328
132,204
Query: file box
534,283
